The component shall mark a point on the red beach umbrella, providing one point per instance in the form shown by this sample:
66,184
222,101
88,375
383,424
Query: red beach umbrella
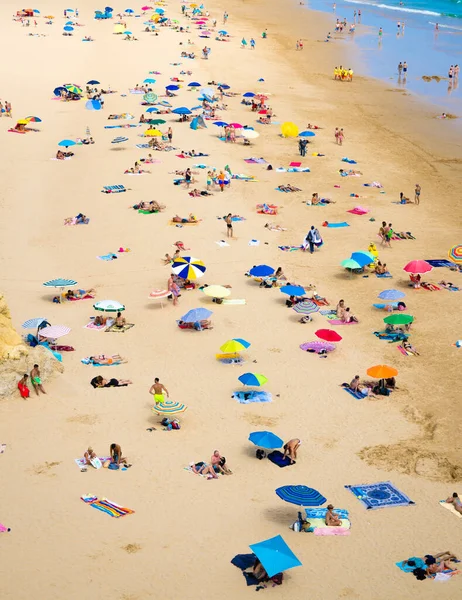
328,335
417,266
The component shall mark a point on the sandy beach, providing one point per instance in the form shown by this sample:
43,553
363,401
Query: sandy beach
186,529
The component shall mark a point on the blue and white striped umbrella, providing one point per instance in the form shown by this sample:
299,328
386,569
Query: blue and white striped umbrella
300,495
119,140
60,283
188,267
33,323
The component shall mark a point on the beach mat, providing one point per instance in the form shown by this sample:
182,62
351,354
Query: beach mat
356,395
250,397
4,529
91,325
115,329
384,275
379,495
404,566
336,225
111,508
181,224
234,301
289,248
450,508
80,462
439,262
278,459
339,322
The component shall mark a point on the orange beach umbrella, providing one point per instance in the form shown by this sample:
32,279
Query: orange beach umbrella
382,372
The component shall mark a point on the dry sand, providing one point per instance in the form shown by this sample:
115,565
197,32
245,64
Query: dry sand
185,530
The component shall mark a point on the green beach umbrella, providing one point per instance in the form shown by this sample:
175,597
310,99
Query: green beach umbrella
254,379
399,319
349,263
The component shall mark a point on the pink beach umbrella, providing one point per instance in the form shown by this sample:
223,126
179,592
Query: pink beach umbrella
417,266
236,125
159,295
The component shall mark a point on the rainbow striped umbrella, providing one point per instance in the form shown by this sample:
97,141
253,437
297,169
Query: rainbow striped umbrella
188,267
169,408
306,307
455,253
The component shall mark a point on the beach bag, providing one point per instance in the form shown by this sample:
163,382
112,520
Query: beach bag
296,526
113,466
175,424
260,454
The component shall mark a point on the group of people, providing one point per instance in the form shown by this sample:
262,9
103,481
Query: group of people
35,379
341,74
344,313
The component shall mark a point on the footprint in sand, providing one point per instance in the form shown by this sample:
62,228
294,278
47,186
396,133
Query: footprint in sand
257,420
44,469
84,419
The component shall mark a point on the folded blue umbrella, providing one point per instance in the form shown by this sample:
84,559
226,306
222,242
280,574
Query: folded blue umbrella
300,495
266,439
261,271
293,290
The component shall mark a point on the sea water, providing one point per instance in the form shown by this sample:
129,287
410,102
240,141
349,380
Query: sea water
428,48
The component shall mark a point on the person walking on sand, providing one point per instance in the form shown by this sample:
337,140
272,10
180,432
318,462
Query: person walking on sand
170,134
336,132
252,43
340,137
302,147
225,17
229,225
157,389
36,380
173,288
417,191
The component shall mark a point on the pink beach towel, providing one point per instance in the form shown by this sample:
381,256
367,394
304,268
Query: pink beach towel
4,529
295,164
91,325
358,210
331,531
338,322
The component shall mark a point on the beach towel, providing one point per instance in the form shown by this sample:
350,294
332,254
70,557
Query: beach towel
234,301
254,242
181,224
295,164
109,256
85,297
91,325
87,361
356,395
110,508
278,459
113,189
142,146
320,513
418,564
126,126
450,507
259,161
298,170
339,322
386,275
336,225
319,300
4,529
326,313
379,495
80,462
358,211
439,262
114,329
393,336
249,397
147,212
350,161
430,287
222,243
290,248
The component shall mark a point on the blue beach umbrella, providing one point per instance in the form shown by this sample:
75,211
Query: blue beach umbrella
391,295
66,143
254,379
37,12
127,33
196,314
68,28
57,91
223,32
93,105
69,22
149,80
266,439
275,555
306,134
300,495
108,9
159,11
220,124
225,86
60,283
129,11
248,95
93,82
70,10
194,84
182,110
119,140
172,88
363,258
152,109
261,271
293,290
245,343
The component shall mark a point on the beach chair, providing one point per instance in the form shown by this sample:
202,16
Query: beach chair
230,358
113,189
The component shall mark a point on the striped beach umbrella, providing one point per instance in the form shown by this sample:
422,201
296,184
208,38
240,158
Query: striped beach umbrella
254,379
60,283
55,331
216,291
188,267
300,495
119,140
196,315
455,253
159,294
109,306
33,323
306,307
169,408
73,89
234,345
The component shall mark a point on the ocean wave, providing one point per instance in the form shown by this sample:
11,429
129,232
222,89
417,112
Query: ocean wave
400,8
440,26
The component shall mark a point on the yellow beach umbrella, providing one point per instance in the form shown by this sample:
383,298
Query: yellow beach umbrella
152,133
289,129
23,122
119,28
216,291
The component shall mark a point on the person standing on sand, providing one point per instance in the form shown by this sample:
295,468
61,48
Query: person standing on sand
336,132
417,191
173,288
252,43
340,137
229,225
225,17
36,380
157,389
170,134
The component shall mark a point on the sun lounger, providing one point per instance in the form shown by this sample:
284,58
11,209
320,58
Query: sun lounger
113,189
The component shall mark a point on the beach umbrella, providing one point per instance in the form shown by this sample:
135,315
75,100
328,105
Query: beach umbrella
33,119
292,290
306,134
152,133
417,266
109,306
196,314
236,125
37,12
54,331
275,555
207,91
108,9
398,319
349,263
306,307
73,89
455,253
149,80
157,122
169,408
194,84
182,110
34,323
289,129
93,105
188,267
159,294
363,258
250,134
66,143
223,32
146,8
127,33
60,283
382,372
152,109
69,22
164,103
254,379
261,271
300,495
328,335
71,10
93,82
248,95
119,140
68,28
129,11
216,291
172,87
57,91
150,97
317,346
391,295
224,86
265,439
234,345
220,124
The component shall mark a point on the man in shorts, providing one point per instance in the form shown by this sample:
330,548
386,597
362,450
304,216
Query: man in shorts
158,389
36,380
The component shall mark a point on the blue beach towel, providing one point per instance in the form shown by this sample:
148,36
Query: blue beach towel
253,396
384,276
439,262
394,305
320,513
356,395
344,224
379,495
404,566
142,145
278,459
109,256
350,161
327,312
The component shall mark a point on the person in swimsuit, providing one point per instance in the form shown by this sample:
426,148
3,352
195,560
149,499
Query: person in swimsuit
89,455
290,449
218,463
455,501
116,456
229,225
203,469
340,310
158,389
173,288
22,386
417,191
120,321
332,519
36,380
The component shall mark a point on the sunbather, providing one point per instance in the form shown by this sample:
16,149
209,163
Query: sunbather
219,463
455,501
403,199
191,219
169,259
380,268
76,294
410,348
120,320
100,382
332,519
202,468
89,455
105,360
340,310
273,227
348,317
288,188
290,449
197,193
60,155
